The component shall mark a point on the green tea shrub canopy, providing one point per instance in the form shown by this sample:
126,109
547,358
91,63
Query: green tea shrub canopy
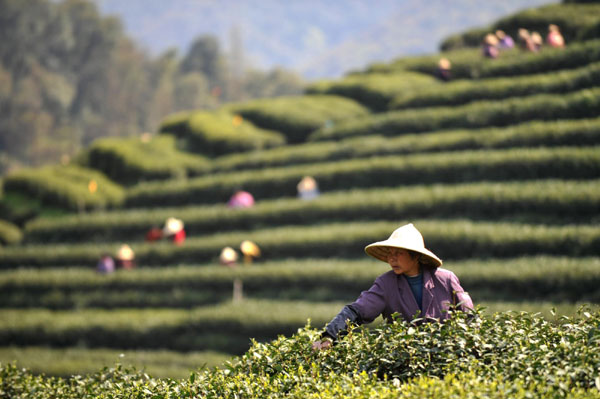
469,64
572,18
374,90
579,104
129,161
71,187
505,355
218,133
565,201
464,91
9,233
296,117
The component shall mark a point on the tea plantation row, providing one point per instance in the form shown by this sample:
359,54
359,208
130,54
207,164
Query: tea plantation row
384,171
540,201
469,64
478,114
535,278
506,355
401,90
455,238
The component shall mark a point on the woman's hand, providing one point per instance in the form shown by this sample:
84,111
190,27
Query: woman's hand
322,344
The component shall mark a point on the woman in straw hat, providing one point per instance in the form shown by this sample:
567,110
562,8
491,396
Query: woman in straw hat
416,285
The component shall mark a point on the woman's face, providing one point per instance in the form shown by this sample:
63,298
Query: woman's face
402,263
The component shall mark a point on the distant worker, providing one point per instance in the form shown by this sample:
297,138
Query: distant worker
444,69
174,230
228,257
250,251
537,41
154,234
241,199
505,42
555,38
106,264
490,43
125,257
308,188
525,41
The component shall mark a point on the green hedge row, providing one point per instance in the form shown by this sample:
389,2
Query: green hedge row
545,201
374,90
66,362
478,114
66,187
576,132
573,20
519,279
470,64
453,239
462,92
218,133
384,171
129,161
225,328
296,117
507,355
9,233
176,123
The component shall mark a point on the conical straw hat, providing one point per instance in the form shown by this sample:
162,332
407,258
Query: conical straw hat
228,255
125,253
250,248
172,226
405,237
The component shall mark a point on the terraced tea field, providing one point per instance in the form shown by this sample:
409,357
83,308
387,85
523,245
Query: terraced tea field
499,169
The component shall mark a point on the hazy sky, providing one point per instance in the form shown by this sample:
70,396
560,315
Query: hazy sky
315,37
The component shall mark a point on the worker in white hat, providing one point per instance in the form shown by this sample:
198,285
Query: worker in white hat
416,285
174,230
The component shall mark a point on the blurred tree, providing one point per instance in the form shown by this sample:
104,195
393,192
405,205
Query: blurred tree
69,75
277,82
205,57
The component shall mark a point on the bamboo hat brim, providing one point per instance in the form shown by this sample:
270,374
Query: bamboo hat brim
405,237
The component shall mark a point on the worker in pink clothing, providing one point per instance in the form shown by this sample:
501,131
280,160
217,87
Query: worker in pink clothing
416,285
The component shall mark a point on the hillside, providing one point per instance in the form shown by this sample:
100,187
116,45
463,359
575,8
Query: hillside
498,168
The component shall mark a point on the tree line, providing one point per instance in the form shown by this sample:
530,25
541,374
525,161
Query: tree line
69,75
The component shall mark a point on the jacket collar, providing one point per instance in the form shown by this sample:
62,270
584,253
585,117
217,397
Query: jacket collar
408,299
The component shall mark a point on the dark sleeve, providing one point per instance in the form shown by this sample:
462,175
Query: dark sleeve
340,322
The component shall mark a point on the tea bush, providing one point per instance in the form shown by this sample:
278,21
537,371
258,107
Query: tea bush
536,278
66,187
469,64
373,90
384,171
464,91
453,238
297,117
478,114
225,327
218,133
66,362
506,355
9,233
576,132
544,201
130,161
176,123
573,20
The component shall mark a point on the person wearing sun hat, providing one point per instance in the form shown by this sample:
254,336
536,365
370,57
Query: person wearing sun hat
416,286
174,230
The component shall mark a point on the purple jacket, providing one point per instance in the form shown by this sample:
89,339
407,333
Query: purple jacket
391,294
